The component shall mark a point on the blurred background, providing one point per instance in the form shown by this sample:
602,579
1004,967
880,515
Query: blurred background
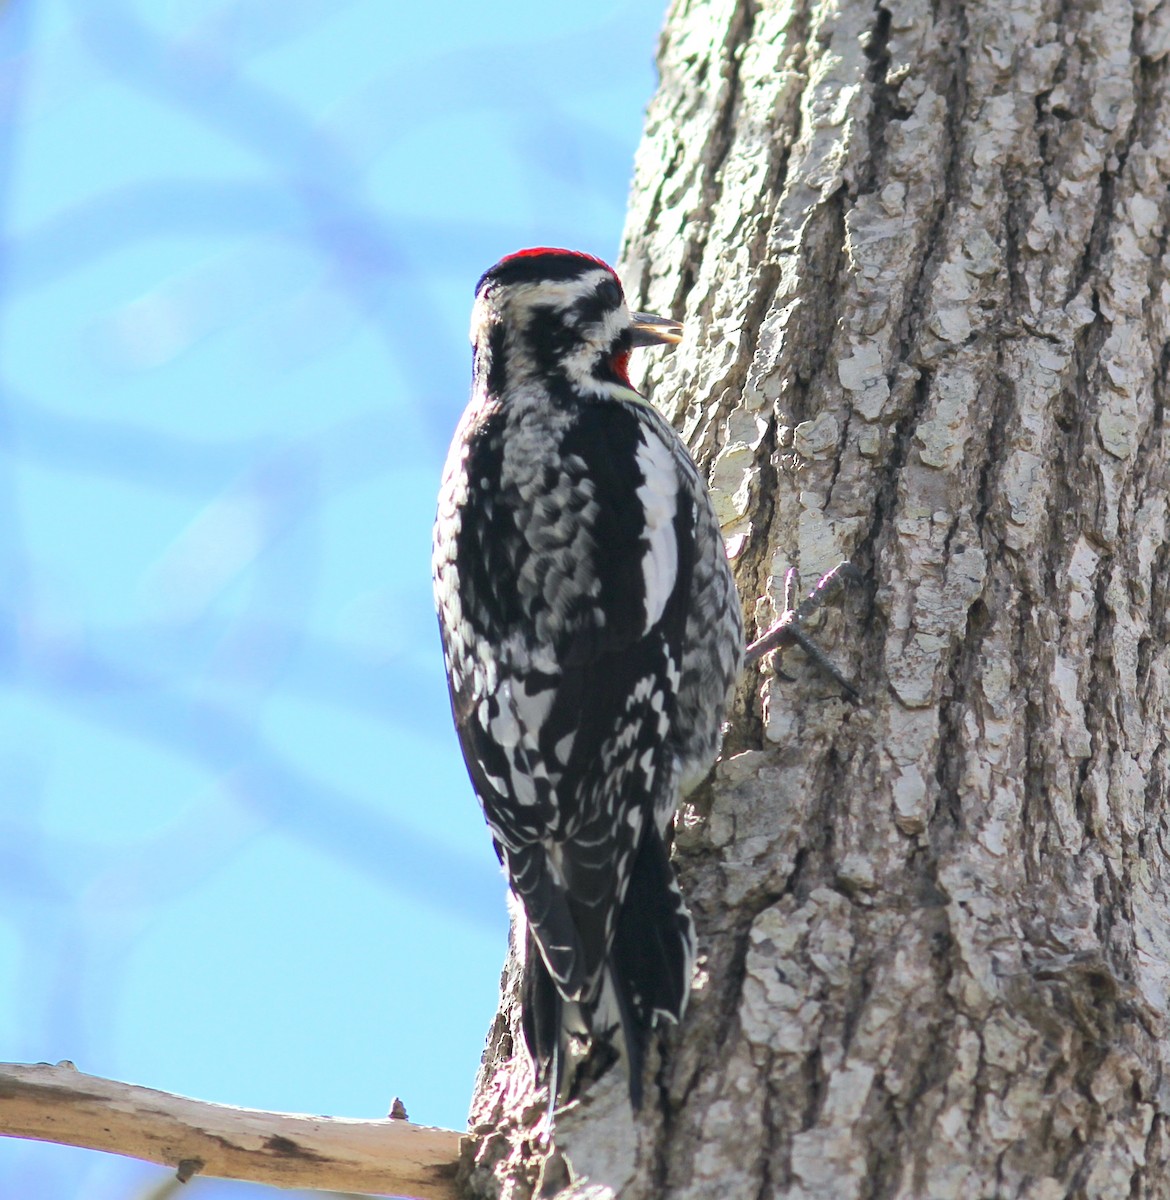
239,856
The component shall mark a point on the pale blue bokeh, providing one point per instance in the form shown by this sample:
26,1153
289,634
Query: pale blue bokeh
239,857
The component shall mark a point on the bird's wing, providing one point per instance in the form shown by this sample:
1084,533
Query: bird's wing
565,719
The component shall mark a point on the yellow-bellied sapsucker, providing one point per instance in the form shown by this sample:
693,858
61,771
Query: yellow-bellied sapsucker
592,633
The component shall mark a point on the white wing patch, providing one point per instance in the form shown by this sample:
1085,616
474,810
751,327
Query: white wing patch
515,727
659,496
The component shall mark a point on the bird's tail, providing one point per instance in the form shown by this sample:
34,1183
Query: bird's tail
653,954
647,976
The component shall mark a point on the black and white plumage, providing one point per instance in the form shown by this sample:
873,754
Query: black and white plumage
592,632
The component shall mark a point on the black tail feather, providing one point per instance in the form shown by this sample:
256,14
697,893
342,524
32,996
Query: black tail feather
653,948
636,1037
649,970
653,953
542,1018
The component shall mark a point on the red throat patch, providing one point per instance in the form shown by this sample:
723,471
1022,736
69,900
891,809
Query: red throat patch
621,367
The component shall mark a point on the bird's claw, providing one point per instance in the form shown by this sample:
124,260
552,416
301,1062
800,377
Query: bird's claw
788,629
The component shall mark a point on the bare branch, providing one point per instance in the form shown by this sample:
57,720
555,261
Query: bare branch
60,1104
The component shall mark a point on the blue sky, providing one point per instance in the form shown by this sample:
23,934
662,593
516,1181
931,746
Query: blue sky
239,857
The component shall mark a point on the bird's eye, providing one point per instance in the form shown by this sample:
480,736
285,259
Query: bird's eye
609,293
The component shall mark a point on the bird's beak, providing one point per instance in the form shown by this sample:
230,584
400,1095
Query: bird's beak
649,330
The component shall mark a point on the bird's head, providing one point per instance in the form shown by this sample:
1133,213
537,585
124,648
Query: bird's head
549,316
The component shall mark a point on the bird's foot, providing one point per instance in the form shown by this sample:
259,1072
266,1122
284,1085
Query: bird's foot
788,630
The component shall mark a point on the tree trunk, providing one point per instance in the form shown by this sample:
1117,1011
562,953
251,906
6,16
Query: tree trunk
921,252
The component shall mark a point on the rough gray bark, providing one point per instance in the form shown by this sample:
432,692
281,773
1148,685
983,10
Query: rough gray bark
921,251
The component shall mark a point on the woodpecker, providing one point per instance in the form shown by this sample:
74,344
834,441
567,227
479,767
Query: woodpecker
592,634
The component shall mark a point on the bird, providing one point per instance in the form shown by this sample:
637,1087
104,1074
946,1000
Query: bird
592,635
